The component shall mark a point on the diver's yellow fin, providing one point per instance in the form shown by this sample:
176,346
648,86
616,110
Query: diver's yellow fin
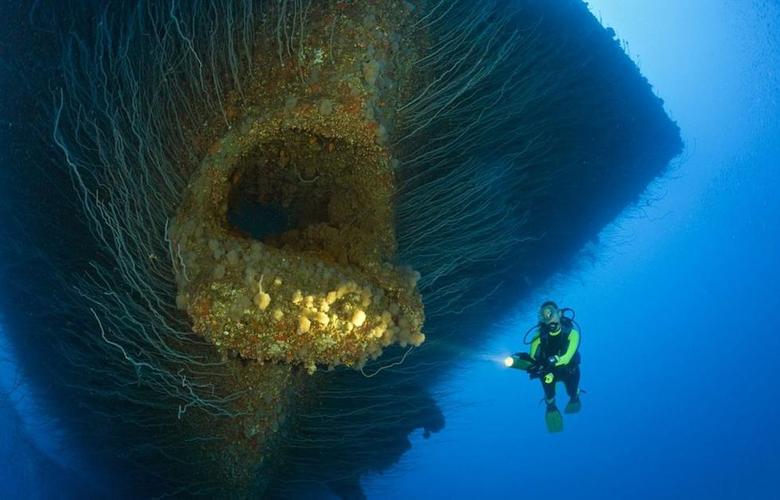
554,420
573,406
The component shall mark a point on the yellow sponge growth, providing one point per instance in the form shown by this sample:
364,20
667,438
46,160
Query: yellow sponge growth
325,291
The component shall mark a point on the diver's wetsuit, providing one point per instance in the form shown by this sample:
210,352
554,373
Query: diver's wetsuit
565,345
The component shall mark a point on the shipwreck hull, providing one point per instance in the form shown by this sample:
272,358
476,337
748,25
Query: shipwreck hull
284,222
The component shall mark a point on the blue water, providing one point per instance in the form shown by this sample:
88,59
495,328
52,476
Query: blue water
678,304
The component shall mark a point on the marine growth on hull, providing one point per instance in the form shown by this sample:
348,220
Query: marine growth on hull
284,243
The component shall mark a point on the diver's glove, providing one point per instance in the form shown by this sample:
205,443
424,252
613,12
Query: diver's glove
542,368
536,370
546,364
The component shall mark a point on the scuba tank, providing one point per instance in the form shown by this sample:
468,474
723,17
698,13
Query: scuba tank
523,361
565,319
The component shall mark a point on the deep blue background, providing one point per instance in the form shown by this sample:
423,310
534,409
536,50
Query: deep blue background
678,303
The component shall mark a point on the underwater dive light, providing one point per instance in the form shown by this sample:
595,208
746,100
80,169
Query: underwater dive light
521,361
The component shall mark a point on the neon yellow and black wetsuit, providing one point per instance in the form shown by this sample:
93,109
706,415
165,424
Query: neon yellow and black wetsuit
563,347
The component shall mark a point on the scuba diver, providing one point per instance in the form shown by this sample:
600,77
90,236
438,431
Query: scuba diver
553,357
